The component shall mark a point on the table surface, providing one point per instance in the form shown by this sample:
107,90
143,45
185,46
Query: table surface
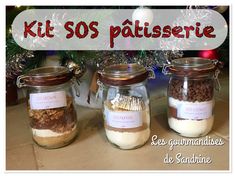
92,151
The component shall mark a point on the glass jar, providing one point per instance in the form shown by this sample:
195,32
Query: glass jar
126,105
191,95
52,116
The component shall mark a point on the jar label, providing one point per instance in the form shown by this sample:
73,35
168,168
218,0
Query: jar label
123,119
48,100
196,110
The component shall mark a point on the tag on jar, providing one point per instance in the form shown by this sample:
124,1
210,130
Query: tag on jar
195,110
47,100
123,119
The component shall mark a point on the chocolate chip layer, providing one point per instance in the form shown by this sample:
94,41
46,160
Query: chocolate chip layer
191,90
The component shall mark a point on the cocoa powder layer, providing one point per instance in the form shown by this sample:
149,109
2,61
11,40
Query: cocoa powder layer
173,113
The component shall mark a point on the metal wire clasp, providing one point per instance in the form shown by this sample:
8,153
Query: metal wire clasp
99,93
219,65
151,73
76,83
217,83
165,69
20,81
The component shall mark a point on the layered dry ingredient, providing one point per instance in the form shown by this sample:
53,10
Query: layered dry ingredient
191,106
127,121
51,112
55,127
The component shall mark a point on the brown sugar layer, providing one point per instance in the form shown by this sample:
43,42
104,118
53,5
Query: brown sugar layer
56,119
56,141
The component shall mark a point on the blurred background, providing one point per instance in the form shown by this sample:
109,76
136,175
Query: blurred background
19,61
